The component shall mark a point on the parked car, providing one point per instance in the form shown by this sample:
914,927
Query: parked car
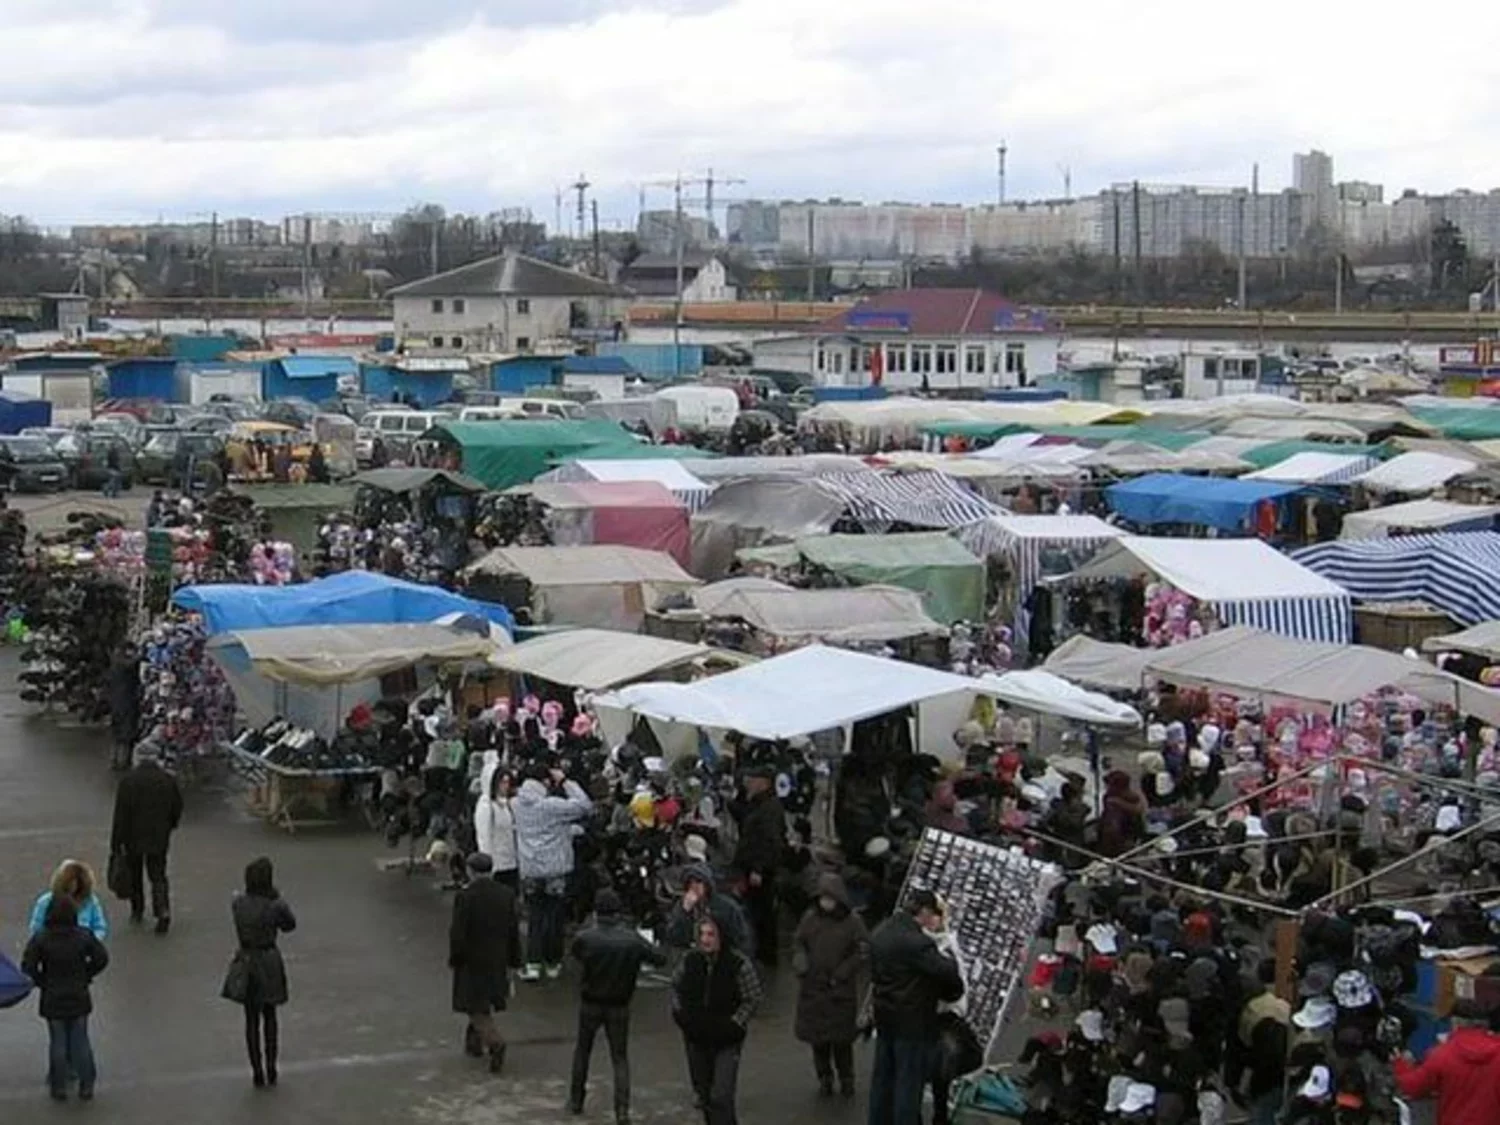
295,412
205,424
86,455
50,434
30,464
236,410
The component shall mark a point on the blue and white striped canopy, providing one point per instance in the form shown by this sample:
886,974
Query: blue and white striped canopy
1455,572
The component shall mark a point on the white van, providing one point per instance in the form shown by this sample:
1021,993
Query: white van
559,408
487,414
397,429
701,408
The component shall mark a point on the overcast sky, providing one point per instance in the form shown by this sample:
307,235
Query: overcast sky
120,110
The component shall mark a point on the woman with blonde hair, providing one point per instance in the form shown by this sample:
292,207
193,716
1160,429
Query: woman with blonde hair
73,880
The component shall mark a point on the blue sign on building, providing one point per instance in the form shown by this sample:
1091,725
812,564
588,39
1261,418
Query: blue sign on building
879,320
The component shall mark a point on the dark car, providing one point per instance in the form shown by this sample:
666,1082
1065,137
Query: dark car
296,412
168,453
29,464
86,454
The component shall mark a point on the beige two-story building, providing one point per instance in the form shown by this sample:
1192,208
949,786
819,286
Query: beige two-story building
509,303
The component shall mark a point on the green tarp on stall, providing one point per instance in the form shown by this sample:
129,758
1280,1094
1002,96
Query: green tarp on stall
500,454
296,511
1462,423
949,578
1274,452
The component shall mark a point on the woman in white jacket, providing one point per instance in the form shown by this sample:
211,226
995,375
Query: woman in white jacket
494,822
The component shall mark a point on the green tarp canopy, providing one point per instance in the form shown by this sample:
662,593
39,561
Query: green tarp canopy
949,578
1274,452
401,481
1160,436
1463,423
501,454
295,511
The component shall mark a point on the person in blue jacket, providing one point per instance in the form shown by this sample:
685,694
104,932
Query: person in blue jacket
74,880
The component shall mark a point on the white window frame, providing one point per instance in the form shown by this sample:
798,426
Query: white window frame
895,359
974,361
945,359
921,359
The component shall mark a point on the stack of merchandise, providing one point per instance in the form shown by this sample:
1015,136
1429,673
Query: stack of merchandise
284,745
511,521
432,556
78,617
186,704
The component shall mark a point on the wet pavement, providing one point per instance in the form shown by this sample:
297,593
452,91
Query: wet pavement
368,1036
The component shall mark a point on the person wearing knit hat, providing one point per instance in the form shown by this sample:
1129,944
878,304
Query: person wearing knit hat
701,898
610,956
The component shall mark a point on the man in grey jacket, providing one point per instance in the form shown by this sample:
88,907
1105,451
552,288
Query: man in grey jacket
548,809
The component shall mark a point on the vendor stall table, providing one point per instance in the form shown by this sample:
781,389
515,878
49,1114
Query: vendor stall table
294,798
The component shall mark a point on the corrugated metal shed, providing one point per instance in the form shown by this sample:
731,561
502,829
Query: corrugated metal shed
313,377
384,383
150,377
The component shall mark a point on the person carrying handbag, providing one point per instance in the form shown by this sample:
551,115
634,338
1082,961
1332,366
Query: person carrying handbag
256,978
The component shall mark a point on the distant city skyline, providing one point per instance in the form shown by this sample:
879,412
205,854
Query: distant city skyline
122,110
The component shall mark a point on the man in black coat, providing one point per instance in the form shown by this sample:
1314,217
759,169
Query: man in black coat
484,946
758,858
124,704
911,977
148,809
610,954
715,992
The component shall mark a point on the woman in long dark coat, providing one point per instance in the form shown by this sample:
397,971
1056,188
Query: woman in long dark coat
257,975
484,947
829,952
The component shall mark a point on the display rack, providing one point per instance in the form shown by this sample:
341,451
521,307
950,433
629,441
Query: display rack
295,798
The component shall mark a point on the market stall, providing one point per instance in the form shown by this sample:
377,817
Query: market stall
1482,640
294,512
1415,474
296,686
353,598
1316,468
1452,571
502,454
1419,515
1240,581
781,616
599,659
1244,507
799,693
623,513
671,475
600,586
936,566
756,511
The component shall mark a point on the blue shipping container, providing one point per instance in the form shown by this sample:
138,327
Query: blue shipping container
311,377
383,384
17,411
148,377
519,373
659,361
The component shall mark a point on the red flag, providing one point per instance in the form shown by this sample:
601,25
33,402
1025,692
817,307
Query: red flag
877,365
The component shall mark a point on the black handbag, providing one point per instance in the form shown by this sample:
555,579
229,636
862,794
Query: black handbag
237,980
118,877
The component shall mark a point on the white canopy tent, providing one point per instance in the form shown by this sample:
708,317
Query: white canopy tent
1418,472
1246,582
1040,690
1315,468
809,690
596,659
1481,640
671,475
1431,515
595,585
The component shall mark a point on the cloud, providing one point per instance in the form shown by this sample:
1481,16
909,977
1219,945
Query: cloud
117,109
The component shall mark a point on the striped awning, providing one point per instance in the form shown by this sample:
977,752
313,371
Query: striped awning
921,498
1452,571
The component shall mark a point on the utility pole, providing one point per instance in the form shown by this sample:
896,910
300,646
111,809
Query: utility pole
1241,289
1135,207
306,267
581,185
437,223
598,260
812,254
1000,173
557,214
1067,178
679,237
213,256
1114,195
1338,281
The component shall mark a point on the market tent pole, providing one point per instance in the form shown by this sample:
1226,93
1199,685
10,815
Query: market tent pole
1151,876
1405,861
1209,814
1468,789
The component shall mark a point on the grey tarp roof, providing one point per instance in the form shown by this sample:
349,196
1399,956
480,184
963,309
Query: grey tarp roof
864,613
749,513
1482,640
595,659
318,655
593,565
412,480
1099,664
1266,664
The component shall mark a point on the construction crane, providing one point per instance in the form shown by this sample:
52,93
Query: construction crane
708,194
679,245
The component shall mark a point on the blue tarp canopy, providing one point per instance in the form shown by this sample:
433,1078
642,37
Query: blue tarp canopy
1454,571
1207,501
356,597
